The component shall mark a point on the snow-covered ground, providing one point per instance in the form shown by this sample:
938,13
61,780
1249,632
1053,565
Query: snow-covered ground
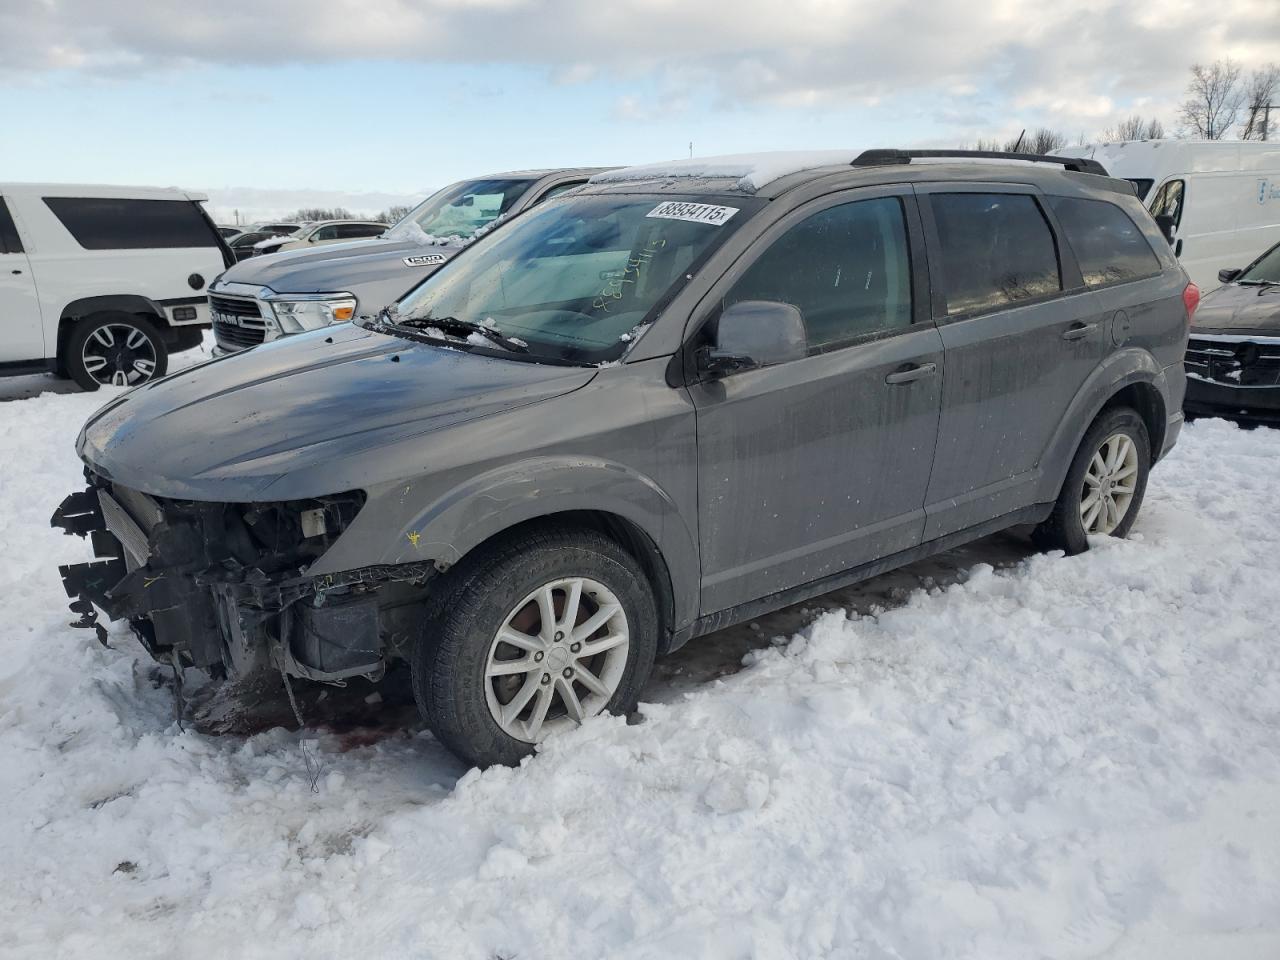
1065,757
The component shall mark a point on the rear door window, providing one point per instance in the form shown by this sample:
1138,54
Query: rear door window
1108,245
997,250
10,242
100,223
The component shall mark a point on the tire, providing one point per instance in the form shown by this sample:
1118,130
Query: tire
457,695
130,346
1064,529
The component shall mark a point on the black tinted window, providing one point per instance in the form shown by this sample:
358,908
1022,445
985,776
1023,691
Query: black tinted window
105,224
355,230
1108,245
997,249
10,242
847,269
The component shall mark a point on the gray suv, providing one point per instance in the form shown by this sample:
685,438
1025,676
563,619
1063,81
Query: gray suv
644,411
265,298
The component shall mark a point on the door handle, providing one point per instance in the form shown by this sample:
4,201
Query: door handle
15,272
1078,331
1177,248
910,374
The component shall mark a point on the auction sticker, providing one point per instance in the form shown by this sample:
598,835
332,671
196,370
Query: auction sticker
693,212
425,260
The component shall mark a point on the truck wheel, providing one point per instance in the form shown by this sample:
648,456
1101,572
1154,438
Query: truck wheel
117,349
539,634
1105,484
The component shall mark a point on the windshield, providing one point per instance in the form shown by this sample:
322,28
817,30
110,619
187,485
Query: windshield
461,210
1266,269
576,279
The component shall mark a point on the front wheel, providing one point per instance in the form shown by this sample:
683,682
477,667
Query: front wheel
114,349
540,634
1105,484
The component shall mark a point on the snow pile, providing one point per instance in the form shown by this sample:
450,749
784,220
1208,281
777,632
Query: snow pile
412,230
751,170
1070,757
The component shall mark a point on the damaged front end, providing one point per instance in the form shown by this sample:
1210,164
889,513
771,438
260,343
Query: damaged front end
224,587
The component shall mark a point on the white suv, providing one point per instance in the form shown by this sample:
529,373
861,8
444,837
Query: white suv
101,284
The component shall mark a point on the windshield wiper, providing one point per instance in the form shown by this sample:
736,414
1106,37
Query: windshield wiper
458,326
1259,283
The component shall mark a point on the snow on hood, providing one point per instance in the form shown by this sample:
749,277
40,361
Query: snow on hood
410,230
752,170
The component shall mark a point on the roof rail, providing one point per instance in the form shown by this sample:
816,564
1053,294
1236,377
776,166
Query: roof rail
877,158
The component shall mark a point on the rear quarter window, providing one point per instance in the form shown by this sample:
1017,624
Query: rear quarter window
109,224
1107,243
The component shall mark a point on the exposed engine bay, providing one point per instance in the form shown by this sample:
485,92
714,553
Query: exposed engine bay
224,587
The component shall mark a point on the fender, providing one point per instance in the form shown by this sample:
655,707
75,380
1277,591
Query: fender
126,302
455,523
1121,369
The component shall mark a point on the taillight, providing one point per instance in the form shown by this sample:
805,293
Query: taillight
1191,300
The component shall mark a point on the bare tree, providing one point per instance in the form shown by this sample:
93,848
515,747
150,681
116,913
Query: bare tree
1214,98
1135,127
1040,141
1044,141
393,214
321,213
1263,87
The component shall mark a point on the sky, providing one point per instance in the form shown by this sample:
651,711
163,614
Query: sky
268,105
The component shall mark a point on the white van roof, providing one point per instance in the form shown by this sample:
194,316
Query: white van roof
1137,158
99,191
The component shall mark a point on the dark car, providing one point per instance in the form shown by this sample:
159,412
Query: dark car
242,244
669,401
1233,357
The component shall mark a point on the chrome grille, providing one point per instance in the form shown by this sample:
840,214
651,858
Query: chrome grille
237,322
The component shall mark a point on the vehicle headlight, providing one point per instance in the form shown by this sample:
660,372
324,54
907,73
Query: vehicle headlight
312,313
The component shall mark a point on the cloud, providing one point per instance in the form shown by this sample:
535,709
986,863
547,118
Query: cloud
1078,63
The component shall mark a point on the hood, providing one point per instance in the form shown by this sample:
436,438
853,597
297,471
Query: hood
357,267
299,417
1233,308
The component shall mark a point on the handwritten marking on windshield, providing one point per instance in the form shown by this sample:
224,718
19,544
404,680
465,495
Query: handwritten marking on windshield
616,288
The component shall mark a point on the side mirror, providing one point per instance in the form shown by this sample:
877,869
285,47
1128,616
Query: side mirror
754,333
1167,227
1229,274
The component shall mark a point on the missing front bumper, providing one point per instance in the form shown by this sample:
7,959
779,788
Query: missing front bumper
198,587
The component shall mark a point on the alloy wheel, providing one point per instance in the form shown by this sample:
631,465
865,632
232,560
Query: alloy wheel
119,354
1109,484
557,659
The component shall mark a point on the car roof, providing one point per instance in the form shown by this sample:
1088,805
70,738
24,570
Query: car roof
770,174
103,191
539,174
327,223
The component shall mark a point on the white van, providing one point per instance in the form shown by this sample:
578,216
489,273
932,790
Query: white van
101,284
1222,197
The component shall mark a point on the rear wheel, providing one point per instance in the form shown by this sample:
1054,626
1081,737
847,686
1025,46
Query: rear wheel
543,633
1105,483
115,349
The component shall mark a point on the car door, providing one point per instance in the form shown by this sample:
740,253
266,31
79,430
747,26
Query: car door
21,329
1020,335
813,466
